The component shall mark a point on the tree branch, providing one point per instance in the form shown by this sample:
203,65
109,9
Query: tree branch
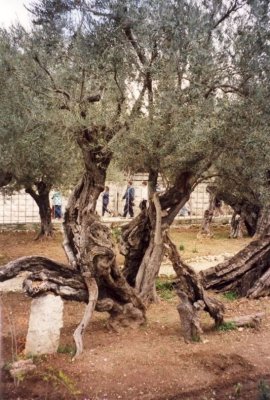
55,88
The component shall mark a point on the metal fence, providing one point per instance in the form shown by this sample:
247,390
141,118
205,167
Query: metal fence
20,208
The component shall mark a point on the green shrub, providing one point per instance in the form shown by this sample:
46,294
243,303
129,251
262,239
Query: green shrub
165,288
230,296
227,326
181,247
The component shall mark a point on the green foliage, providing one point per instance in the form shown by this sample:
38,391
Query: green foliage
185,98
264,391
231,296
165,288
181,247
227,326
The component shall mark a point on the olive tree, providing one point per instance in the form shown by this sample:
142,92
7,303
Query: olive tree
34,155
142,79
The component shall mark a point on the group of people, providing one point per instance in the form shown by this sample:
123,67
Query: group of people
129,198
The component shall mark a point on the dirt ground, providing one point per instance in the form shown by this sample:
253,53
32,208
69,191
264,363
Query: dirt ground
150,362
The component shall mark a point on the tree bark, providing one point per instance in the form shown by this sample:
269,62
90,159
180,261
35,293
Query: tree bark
263,222
42,199
192,295
208,215
5,178
246,273
149,268
142,262
89,243
249,208
236,230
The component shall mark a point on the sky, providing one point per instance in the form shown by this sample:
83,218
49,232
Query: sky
12,11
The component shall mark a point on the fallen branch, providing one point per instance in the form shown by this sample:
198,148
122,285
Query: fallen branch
249,321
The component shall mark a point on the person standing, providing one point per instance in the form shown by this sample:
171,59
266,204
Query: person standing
129,196
105,201
57,204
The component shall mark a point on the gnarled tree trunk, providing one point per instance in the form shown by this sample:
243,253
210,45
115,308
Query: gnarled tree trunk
42,199
208,215
92,275
236,230
142,260
90,248
246,273
193,297
248,208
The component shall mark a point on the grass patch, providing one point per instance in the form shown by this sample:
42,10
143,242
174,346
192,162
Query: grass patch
231,296
227,326
116,233
165,288
196,339
59,378
194,249
264,391
66,349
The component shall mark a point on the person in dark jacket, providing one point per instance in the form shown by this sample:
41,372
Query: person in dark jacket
129,197
105,201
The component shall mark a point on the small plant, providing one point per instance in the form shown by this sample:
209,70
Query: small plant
195,250
66,349
227,326
58,377
264,391
231,296
238,389
181,247
196,339
165,289
116,233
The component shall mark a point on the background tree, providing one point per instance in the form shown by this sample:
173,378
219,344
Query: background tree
248,271
34,155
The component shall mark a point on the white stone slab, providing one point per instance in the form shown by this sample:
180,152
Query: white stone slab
15,284
45,323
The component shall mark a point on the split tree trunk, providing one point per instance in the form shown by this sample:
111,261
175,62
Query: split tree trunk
42,199
142,259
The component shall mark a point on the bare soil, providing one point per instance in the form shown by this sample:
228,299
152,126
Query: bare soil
149,362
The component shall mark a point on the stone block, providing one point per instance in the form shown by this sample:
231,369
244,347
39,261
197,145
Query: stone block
45,323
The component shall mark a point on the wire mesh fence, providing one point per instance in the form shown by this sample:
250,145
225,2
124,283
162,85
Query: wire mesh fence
20,208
